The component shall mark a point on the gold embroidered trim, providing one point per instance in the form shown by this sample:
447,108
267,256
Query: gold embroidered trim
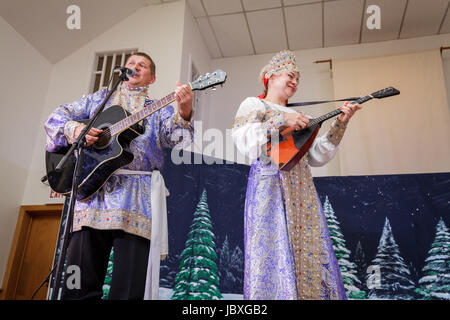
181,122
69,130
274,123
252,117
130,222
271,120
304,227
336,132
130,100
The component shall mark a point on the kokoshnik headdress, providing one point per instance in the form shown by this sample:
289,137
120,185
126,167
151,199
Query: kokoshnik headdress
284,61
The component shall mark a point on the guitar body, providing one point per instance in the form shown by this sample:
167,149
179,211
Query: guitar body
292,146
100,161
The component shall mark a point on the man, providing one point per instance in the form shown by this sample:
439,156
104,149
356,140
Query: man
121,213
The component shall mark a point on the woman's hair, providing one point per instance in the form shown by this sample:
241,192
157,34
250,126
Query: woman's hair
143,54
262,75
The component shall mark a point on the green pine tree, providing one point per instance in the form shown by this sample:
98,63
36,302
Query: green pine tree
107,283
348,268
198,276
435,283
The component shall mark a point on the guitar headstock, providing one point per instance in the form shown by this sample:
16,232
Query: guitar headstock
384,93
209,80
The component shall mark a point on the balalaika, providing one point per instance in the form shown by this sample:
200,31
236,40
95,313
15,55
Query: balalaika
292,144
112,150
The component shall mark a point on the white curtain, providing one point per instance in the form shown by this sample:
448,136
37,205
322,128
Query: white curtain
408,133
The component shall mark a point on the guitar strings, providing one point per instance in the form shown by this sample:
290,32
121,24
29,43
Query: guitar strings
164,101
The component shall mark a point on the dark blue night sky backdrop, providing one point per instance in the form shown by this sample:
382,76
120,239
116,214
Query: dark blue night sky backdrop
413,203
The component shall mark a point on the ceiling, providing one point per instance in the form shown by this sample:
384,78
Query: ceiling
43,22
246,27
233,28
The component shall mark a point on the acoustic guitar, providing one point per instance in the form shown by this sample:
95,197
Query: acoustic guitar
112,150
289,146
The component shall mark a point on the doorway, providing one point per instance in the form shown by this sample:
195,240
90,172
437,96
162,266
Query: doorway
32,251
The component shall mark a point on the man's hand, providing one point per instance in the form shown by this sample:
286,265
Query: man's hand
184,97
91,136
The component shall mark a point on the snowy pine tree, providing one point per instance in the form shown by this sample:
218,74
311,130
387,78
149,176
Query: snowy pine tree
237,267
167,273
225,274
395,282
361,265
231,269
435,283
348,269
197,278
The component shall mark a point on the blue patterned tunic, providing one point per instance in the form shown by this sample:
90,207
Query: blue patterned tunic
124,200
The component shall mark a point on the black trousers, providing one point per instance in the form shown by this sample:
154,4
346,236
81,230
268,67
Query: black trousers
89,249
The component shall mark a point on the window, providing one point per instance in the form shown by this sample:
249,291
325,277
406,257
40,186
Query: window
104,68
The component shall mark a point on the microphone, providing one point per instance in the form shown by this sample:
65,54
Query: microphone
129,71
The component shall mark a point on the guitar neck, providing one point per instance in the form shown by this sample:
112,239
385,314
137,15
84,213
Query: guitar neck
333,113
138,116
203,82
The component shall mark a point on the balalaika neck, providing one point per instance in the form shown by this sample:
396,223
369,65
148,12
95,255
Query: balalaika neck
138,116
333,113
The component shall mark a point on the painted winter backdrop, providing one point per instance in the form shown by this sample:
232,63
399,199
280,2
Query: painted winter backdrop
390,233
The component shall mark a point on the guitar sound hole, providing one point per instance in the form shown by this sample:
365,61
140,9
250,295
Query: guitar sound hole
104,138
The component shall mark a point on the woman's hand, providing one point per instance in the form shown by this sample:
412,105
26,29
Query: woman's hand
348,110
297,121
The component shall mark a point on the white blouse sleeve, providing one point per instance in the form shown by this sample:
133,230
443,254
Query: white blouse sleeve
325,147
252,126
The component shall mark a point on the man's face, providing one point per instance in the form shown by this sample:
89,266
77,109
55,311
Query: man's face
143,76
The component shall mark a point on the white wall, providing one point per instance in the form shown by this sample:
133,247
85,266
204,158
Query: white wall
195,53
316,81
446,67
25,76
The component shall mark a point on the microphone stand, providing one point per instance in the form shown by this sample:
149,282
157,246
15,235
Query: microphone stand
77,149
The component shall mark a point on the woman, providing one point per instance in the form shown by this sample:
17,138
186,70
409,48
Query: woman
288,252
